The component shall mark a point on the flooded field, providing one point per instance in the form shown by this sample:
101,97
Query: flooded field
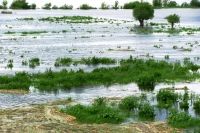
24,35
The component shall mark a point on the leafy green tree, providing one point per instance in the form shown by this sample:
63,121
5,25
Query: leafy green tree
172,4
131,5
143,11
116,5
33,6
86,7
173,18
66,7
4,3
104,6
185,4
195,3
157,3
20,4
55,7
47,6
165,3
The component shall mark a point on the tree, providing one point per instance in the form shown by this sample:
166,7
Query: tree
173,18
185,4
54,7
66,7
165,3
195,3
104,6
33,6
131,5
4,3
172,4
157,3
47,6
143,11
20,4
116,5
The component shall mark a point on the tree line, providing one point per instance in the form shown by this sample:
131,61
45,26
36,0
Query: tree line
22,4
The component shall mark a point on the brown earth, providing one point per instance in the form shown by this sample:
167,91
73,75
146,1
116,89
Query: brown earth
45,118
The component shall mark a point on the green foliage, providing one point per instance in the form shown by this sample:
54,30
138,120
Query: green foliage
20,4
182,120
33,62
166,98
130,5
96,113
157,3
129,103
96,60
116,5
63,62
173,18
196,105
146,111
86,7
66,7
20,80
104,5
172,4
143,11
195,3
47,6
4,4
33,6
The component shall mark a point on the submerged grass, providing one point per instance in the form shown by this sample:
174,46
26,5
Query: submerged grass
146,73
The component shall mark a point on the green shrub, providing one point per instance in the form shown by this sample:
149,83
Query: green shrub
166,98
196,106
94,114
146,111
129,103
33,62
182,120
63,62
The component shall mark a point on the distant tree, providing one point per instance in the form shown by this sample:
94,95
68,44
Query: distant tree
116,5
54,7
143,11
173,18
172,4
130,5
157,3
104,6
185,4
1,7
165,3
4,4
47,6
20,4
195,3
33,6
86,7
66,7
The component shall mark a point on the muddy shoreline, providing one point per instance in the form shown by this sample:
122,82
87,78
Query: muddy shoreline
46,118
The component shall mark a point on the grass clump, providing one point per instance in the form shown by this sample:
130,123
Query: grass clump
96,60
20,80
166,98
182,120
63,62
98,112
33,62
146,111
129,103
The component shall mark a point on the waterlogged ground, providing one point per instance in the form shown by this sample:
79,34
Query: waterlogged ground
110,38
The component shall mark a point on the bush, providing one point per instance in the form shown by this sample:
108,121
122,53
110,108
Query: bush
196,106
181,120
86,7
166,98
146,111
129,103
94,114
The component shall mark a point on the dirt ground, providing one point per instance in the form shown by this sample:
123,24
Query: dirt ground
45,118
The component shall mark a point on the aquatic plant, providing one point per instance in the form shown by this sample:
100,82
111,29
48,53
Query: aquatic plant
146,111
33,62
181,120
129,103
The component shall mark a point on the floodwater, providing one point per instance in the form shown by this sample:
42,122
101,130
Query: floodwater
104,36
